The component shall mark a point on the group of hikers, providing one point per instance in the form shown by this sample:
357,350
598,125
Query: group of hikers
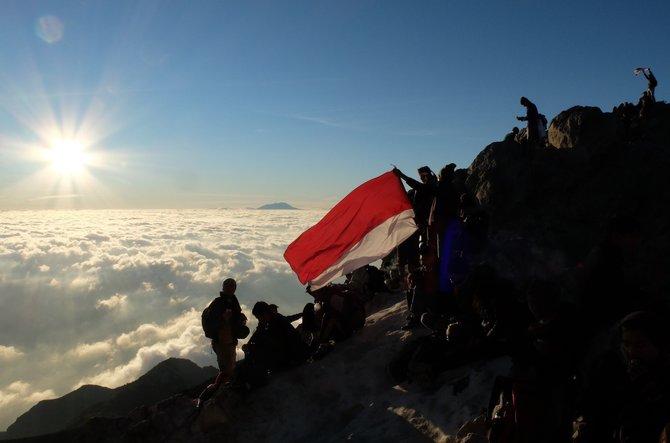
536,130
275,345
588,366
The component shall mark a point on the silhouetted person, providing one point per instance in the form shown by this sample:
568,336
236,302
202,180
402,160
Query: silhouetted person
651,83
533,119
225,344
627,393
425,191
512,136
421,195
444,209
338,312
274,345
227,313
645,105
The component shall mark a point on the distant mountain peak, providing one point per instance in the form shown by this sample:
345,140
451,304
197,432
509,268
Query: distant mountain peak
279,205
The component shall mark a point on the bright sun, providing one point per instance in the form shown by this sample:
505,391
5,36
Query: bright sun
67,156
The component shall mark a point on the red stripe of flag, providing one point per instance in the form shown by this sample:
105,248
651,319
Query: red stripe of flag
367,224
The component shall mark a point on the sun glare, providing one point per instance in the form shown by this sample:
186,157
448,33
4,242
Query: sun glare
67,156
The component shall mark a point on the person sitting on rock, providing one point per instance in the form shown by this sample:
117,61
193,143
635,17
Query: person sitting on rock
339,314
422,290
274,345
511,137
309,327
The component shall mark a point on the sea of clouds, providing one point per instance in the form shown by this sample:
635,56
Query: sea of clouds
100,297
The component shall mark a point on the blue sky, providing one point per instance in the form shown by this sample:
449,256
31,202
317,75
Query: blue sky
236,104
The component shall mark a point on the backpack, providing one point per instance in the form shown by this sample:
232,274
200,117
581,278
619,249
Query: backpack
211,319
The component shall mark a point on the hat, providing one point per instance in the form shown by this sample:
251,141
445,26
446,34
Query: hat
424,170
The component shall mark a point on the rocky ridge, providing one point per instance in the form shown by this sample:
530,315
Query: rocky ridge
75,409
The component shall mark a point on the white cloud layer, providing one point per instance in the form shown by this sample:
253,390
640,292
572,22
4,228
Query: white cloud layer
103,296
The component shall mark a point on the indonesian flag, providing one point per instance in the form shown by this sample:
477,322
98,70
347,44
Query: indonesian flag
365,226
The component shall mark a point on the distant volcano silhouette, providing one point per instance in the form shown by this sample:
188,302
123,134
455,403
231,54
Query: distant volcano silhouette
279,205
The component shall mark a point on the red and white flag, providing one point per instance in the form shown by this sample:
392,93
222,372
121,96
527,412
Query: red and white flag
365,226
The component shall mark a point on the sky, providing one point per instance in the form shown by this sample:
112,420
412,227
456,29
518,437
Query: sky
136,107
102,296
221,104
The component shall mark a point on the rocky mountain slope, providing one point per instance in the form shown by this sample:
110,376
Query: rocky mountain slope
74,409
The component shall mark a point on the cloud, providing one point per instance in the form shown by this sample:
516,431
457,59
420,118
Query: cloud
324,121
8,353
21,395
151,344
115,292
92,351
56,197
113,302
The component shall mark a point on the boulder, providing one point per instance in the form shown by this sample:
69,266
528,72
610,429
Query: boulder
584,126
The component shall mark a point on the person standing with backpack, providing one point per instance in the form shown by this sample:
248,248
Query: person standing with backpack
224,323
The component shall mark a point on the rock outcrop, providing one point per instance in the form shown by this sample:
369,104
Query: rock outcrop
549,206
585,127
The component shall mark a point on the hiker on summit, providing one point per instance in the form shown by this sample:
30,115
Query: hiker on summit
275,345
338,314
645,104
425,192
511,137
420,292
227,321
445,205
275,342
223,322
533,119
651,83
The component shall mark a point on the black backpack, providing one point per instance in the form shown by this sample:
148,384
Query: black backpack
211,318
